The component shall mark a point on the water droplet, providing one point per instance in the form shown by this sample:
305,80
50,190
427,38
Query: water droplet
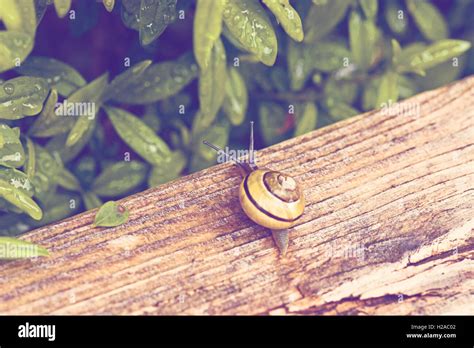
9,88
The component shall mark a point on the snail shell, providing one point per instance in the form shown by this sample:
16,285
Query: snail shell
271,199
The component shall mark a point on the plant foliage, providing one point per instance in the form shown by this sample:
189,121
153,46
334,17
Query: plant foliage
194,70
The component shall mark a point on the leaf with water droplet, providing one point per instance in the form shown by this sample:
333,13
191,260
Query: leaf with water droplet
91,200
211,80
236,100
428,19
22,96
12,154
119,178
161,81
13,249
17,179
13,45
323,17
249,23
111,214
207,29
287,17
167,171
62,7
307,117
20,200
155,15
61,76
48,167
420,57
109,5
121,83
19,15
141,138
89,95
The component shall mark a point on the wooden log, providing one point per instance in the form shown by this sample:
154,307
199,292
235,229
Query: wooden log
387,230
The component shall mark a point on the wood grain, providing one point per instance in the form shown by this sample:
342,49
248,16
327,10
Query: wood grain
388,229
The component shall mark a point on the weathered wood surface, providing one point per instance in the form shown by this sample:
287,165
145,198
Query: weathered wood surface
388,229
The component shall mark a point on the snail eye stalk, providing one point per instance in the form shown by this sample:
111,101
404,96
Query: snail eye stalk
220,151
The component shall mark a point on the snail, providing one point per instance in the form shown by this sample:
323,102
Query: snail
269,198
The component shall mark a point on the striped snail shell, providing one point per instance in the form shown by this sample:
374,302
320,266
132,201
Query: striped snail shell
271,199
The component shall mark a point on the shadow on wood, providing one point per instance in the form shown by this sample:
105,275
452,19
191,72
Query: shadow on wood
387,230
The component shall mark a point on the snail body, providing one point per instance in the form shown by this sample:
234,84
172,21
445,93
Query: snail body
269,198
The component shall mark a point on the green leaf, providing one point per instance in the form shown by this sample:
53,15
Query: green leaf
19,15
111,214
141,138
58,207
218,135
123,82
395,18
169,171
370,8
421,58
48,123
339,110
30,164
119,178
62,7
64,78
130,12
236,100
47,171
11,150
91,200
20,200
211,82
388,89
89,95
207,29
287,17
68,181
428,19
329,56
341,90
323,17
300,64
250,25
14,48
307,121
363,36
160,81
155,15
13,248
18,180
109,5
22,96
57,144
